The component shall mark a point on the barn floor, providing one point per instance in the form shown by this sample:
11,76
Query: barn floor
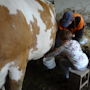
38,77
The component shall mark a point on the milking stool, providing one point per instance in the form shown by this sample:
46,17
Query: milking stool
79,79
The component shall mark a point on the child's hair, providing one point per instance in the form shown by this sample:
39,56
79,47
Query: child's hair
65,35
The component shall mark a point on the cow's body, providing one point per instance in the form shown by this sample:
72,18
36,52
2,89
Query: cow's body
27,31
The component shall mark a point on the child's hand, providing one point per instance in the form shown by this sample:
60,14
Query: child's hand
46,55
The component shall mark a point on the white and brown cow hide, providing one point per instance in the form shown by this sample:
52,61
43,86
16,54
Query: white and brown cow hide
27,31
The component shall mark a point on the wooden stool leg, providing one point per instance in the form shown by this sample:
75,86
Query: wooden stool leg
88,81
80,83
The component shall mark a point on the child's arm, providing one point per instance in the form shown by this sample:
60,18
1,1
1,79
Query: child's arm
55,52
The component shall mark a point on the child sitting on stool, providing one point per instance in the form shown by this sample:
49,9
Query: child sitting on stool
72,50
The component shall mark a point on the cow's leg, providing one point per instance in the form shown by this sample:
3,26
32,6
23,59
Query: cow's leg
15,85
16,77
3,75
17,72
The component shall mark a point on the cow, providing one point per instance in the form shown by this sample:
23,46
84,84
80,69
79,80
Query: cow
27,32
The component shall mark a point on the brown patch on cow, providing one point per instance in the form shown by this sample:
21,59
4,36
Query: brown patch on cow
14,36
35,31
15,85
53,33
52,7
45,14
21,60
46,17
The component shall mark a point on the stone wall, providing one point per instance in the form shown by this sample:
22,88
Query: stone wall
80,6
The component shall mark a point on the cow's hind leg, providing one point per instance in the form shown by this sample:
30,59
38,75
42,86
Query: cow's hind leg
3,75
15,78
15,85
17,72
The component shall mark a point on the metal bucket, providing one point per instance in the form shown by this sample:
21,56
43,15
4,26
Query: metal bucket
49,62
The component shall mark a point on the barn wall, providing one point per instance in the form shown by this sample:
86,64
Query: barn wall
81,6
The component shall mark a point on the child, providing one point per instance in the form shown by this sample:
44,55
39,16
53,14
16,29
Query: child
72,50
